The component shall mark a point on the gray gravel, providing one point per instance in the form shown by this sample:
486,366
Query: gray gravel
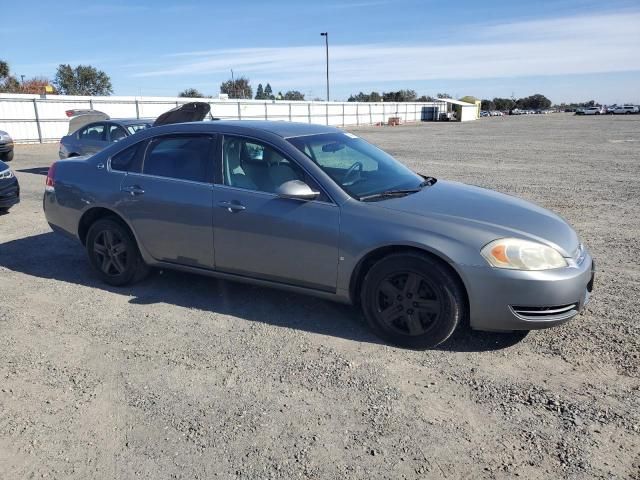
189,377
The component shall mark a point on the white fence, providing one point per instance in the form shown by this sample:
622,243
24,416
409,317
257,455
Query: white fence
35,118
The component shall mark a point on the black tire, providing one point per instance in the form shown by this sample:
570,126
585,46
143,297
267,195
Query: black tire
424,301
113,253
7,156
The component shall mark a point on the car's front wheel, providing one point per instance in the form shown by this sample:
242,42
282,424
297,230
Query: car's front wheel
114,254
412,300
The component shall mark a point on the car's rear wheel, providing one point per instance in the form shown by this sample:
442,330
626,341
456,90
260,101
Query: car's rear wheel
6,157
114,254
412,300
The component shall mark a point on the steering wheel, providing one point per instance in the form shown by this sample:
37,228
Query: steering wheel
356,167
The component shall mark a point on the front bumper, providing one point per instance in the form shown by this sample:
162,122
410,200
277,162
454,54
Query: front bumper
506,300
6,147
9,193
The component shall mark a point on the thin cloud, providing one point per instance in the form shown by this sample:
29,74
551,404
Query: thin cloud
575,45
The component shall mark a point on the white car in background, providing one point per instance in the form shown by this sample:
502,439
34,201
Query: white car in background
594,111
625,109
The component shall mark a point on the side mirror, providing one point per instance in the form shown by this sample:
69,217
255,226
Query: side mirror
296,189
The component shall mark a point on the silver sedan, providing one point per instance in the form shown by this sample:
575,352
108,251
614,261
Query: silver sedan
317,210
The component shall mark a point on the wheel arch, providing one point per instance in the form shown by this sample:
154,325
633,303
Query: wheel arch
94,214
373,256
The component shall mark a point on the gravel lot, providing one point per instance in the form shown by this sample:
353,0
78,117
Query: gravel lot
189,377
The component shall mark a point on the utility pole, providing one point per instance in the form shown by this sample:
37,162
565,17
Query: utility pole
326,44
233,85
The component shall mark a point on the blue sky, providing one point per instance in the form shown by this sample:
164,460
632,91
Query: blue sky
569,50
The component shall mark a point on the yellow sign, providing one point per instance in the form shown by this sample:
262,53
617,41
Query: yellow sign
48,88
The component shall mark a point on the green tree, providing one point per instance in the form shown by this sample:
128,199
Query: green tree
237,88
400,96
293,95
443,95
82,80
503,104
469,99
191,93
279,96
4,69
374,97
268,93
425,98
487,105
260,92
8,83
534,102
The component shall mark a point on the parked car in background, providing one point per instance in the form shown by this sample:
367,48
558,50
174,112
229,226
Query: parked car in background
6,147
593,111
9,188
625,110
317,210
90,131
484,113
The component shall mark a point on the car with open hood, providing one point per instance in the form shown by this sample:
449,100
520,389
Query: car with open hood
317,210
92,130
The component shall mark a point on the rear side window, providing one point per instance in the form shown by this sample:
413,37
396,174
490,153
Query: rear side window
184,157
95,132
128,160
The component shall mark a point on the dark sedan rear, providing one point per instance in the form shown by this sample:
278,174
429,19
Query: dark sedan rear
9,188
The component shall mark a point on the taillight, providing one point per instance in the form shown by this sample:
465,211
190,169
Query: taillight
50,183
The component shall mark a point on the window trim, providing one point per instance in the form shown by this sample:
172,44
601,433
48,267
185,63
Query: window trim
219,174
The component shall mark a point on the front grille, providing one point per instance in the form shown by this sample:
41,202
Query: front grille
557,312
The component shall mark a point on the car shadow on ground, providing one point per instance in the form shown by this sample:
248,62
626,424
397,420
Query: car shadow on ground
35,170
52,256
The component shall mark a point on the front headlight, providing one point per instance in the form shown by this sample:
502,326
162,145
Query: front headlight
517,254
4,137
8,173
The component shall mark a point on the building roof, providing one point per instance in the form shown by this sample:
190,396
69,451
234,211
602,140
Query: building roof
455,102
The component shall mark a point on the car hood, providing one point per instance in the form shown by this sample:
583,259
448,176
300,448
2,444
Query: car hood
496,214
189,112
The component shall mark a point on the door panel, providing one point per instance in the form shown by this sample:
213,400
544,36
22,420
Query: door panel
290,241
172,218
170,202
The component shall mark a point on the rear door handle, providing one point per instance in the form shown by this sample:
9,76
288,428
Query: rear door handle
232,207
133,190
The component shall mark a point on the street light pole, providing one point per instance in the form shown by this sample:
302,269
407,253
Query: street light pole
326,44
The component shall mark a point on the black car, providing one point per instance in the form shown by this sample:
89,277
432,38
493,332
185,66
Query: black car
6,147
9,188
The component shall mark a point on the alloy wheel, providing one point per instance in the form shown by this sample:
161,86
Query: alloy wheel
111,252
408,303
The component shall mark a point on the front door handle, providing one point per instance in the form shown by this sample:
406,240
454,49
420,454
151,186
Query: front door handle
133,190
232,207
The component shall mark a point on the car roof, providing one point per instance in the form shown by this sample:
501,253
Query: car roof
131,121
280,128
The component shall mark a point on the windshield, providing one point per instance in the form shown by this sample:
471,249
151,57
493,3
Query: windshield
136,128
360,169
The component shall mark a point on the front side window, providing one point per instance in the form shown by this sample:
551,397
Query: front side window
184,157
252,165
358,167
136,128
116,133
96,132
